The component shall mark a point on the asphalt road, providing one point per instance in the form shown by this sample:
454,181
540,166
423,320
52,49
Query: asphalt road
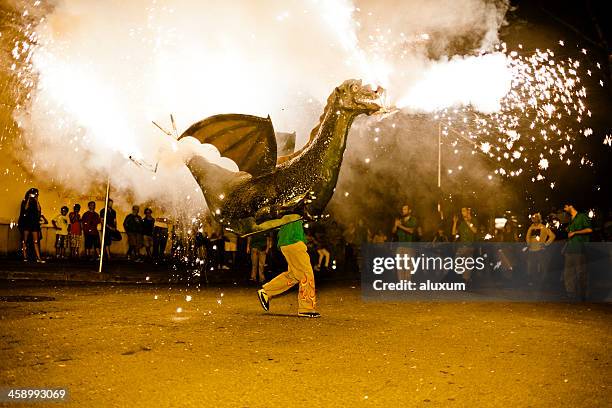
144,346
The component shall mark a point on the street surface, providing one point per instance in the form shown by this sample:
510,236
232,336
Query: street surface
150,346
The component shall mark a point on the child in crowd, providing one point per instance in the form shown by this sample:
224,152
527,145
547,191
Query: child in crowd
60,223
74,231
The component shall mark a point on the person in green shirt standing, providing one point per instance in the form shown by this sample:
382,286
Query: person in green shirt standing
292,243
406,226
258,246
464,230
575,273
406,230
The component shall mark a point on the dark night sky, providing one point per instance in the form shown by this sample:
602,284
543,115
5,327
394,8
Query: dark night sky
580,24
587,20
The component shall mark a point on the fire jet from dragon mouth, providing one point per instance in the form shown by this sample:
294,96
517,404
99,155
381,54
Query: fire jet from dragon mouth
268,191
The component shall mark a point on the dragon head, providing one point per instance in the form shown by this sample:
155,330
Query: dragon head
357,98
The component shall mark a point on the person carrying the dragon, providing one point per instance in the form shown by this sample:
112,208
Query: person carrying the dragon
270,192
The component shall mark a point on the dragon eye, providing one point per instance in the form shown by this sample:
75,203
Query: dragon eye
355,88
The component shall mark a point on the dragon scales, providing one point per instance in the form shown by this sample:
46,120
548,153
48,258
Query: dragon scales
268,191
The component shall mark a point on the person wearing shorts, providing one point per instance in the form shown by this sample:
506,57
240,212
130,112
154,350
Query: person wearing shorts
92,241
74,231
60,223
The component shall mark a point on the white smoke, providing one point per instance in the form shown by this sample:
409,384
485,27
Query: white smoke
479,81
105,70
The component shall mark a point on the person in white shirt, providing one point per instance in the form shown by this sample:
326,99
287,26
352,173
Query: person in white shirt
539,236
60,223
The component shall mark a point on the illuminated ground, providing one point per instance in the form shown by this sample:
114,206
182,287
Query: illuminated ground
120,346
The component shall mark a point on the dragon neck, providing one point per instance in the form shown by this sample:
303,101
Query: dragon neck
328,138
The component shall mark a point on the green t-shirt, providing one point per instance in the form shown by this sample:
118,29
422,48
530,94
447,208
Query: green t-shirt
403,236
259,241
465,233
291,233
580,221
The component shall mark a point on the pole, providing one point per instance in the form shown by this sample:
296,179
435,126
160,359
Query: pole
440,169
104,223
439,154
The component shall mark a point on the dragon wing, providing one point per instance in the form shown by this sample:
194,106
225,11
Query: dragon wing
248,140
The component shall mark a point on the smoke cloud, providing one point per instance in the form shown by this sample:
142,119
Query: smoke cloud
100,72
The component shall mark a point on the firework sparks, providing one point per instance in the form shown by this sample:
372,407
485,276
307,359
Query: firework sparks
542,116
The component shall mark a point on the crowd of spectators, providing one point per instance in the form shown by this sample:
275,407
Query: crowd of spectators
92,233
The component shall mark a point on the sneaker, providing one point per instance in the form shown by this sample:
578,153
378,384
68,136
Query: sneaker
41,261
309,314
264,299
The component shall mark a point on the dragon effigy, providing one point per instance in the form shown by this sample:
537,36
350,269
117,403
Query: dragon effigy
270,191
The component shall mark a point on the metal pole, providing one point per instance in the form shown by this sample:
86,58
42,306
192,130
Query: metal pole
104,224
440,168
439,154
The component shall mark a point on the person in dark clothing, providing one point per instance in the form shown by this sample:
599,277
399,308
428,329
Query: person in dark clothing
199,245
214,249
29,223
406,228
160,237
90,222
440,235
465,230
111,226
148,226
575,273
133,228
322,246
257,247
406,225
355,235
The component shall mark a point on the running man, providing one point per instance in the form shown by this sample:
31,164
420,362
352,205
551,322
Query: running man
291,241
